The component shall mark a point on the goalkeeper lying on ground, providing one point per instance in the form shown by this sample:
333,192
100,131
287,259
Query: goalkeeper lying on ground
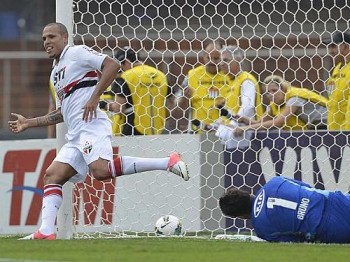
286,210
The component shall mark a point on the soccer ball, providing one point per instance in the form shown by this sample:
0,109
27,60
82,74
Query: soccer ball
168,225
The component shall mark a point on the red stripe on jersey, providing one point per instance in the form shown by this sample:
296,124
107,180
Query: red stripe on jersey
68,87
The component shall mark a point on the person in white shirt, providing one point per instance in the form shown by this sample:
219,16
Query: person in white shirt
243,101
244,98
88,148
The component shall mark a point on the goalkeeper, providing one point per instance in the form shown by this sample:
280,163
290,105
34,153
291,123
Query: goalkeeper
287,210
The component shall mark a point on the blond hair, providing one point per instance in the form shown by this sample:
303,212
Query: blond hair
283,84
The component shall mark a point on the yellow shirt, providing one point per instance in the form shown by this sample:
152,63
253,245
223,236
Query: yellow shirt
52,92
118,120
338,105
148,93
207,91
330,83
294,122
233,101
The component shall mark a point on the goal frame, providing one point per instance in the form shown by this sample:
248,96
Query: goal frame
64,15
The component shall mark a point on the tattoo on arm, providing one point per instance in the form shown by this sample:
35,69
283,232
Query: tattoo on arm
51,118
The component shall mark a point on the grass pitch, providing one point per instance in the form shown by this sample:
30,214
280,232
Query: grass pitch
165,249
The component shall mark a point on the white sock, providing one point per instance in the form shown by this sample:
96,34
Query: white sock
51,203
132,165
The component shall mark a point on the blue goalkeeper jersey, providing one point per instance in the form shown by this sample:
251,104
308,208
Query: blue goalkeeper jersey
287,210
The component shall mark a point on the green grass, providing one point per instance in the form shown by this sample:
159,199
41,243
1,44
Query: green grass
166,249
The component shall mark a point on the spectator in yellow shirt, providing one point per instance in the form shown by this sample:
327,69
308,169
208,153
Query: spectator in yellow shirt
51,130
244,98
339,81
291,108
204,88
141,93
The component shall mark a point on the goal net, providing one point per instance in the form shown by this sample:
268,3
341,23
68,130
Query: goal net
278,37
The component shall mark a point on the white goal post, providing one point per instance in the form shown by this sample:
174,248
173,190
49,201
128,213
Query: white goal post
64,15
278,37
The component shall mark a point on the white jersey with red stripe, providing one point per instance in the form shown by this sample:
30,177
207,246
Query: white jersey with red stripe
75,78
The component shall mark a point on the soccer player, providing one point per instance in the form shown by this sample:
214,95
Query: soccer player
141,94
338,85
287,210
88,148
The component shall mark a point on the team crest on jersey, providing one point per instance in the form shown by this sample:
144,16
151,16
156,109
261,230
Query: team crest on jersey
259,203
87,147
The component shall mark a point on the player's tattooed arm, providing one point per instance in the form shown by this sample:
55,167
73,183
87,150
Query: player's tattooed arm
20,123
52,118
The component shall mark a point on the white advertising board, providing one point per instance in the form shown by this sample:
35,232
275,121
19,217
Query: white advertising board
139,199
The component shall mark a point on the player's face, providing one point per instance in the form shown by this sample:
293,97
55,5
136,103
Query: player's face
54,41
228,65
275,93
212,59
225,62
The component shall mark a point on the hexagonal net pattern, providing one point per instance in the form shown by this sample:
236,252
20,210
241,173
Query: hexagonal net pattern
244,90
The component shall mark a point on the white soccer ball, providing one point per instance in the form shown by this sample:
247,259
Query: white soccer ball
168,225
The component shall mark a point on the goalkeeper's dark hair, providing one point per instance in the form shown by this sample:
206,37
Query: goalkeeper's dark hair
235,203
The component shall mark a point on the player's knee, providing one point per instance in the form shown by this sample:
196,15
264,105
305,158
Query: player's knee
99,170
100,174
57,175
50,177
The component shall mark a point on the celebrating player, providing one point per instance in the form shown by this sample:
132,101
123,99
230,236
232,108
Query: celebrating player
88,147
286,210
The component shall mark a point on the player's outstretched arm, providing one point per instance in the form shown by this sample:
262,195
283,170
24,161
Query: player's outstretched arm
21,123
